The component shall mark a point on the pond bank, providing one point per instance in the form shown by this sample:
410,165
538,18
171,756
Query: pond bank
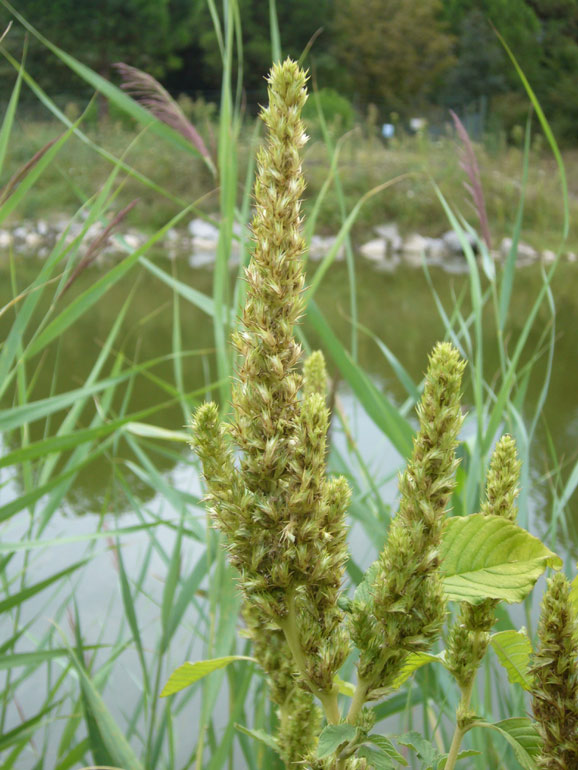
198,242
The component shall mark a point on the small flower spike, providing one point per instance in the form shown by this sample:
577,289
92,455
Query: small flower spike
555,682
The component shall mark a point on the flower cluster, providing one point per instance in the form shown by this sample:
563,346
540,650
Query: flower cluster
469,637
283,518
406,607
555,679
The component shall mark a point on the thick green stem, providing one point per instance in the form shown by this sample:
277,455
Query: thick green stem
359,698
460,731
329,699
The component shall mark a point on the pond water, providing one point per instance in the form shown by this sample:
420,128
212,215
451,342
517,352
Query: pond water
397,306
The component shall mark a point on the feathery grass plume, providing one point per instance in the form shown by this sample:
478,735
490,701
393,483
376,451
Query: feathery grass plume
407,607
555,679
283,518
469,637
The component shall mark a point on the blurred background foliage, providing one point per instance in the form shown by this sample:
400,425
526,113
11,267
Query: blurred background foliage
408,57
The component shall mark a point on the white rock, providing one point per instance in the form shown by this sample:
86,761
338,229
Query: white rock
32,240
526,253
571,256
6,239
454,244
548,256
205,245
375,250
438,249
172,235
201,260
20,233
415,244
390,234
132,241
198,228
41,227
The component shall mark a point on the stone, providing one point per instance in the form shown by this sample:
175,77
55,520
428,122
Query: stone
375,250
32,240
571,256
526,253
320,245
42,228
454,244
6,239
390,234
438,249
198,228
414,248
202,259
548,256
204,245
132,240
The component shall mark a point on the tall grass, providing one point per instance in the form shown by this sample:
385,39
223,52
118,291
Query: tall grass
95,681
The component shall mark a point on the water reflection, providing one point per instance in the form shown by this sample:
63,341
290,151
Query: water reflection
397,306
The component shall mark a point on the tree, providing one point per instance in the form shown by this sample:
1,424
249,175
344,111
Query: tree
394,50
144,33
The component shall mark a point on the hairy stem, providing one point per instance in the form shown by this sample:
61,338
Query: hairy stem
359,698
461,729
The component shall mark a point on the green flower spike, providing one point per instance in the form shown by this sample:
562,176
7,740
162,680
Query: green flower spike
284,520
407,607
469,637
555,685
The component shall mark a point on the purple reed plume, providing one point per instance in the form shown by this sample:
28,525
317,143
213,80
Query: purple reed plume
469,164
150,94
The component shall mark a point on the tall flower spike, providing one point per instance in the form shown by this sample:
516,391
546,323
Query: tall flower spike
407,606
284,520
555,683
469,637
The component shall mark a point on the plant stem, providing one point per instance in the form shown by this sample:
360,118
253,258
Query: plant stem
460,731
359,698
328,698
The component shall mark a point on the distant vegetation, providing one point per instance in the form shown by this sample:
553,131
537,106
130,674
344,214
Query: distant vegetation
416,57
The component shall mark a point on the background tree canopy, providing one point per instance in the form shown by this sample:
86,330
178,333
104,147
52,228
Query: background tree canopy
407,56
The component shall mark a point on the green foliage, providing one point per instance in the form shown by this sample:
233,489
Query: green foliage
337,111
393,52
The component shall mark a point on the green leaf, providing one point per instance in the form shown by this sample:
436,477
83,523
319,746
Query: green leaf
332,737
522,736
376,758
513,649
145,430
189,673
414,661
488,557
261,736
423,748
461,755
345,688
387,746
15,599
112,736
363,590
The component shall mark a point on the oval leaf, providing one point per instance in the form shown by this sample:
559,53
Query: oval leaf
522,736
488,557
332,737
414,661
189,673
514,649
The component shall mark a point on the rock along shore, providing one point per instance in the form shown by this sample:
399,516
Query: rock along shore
197,242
